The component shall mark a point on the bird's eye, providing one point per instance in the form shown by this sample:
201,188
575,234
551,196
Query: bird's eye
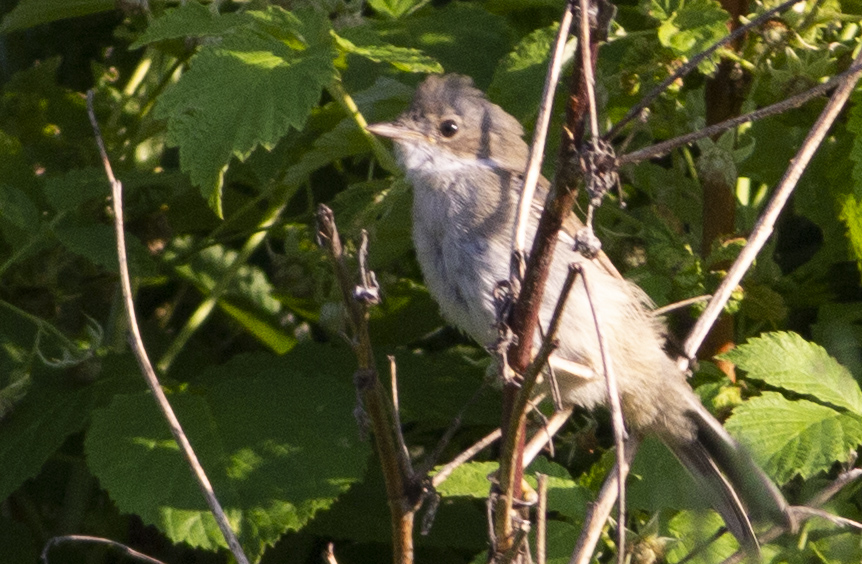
448,128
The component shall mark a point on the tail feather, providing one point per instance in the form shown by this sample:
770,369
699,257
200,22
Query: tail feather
720,493
736,487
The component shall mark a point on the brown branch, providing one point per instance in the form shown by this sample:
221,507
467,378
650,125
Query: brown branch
665,147
403,490
143,359
524,320
126,550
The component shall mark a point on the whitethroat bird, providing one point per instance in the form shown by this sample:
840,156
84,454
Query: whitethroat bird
465,157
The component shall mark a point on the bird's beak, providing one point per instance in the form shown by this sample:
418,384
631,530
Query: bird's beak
394,130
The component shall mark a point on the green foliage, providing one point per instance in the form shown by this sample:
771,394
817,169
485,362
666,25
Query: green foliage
260,109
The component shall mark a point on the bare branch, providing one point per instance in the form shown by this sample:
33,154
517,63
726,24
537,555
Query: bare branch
765,224
665,147
616,419
329,554
544,435
465,456
693,63
143,359
541,517
126,550
537,148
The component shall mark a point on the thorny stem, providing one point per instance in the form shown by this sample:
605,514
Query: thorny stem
143,359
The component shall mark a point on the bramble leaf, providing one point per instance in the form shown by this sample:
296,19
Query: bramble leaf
29,13
794,437
786,360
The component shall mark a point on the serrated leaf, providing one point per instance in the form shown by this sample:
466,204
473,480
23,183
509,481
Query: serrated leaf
402,58
275,434
794,437
29,13
786,360
190,19
245,91
18,209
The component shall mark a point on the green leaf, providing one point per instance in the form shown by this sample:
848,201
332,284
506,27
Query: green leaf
520,76
29,13
245,91
17,208
98,244
394,8
190,19
693,530
55,407
850,213
689,27
79,185
786,360
565,496
794,437
276,435
402,58
470,480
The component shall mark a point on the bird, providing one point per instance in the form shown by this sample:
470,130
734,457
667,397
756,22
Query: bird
465,158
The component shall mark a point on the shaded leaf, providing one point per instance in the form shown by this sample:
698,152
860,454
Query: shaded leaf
29,13
190,19
17,208
276,435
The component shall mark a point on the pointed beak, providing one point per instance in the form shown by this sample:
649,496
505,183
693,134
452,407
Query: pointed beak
395,131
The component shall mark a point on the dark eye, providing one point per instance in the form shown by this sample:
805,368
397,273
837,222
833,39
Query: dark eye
448,128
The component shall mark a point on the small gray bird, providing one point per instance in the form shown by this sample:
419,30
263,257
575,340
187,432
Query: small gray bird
465,157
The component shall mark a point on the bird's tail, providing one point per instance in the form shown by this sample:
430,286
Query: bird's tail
736,487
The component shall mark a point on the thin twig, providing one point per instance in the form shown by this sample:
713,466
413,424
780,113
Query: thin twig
465,456
126,550
540,134
541,518
544,435
821,498
680,304
329,554
600,509
587,65
692,64
616,417
431,460
143,359
396,408
664,147
765,224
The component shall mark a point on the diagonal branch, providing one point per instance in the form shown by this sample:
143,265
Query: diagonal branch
765,225
143,358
